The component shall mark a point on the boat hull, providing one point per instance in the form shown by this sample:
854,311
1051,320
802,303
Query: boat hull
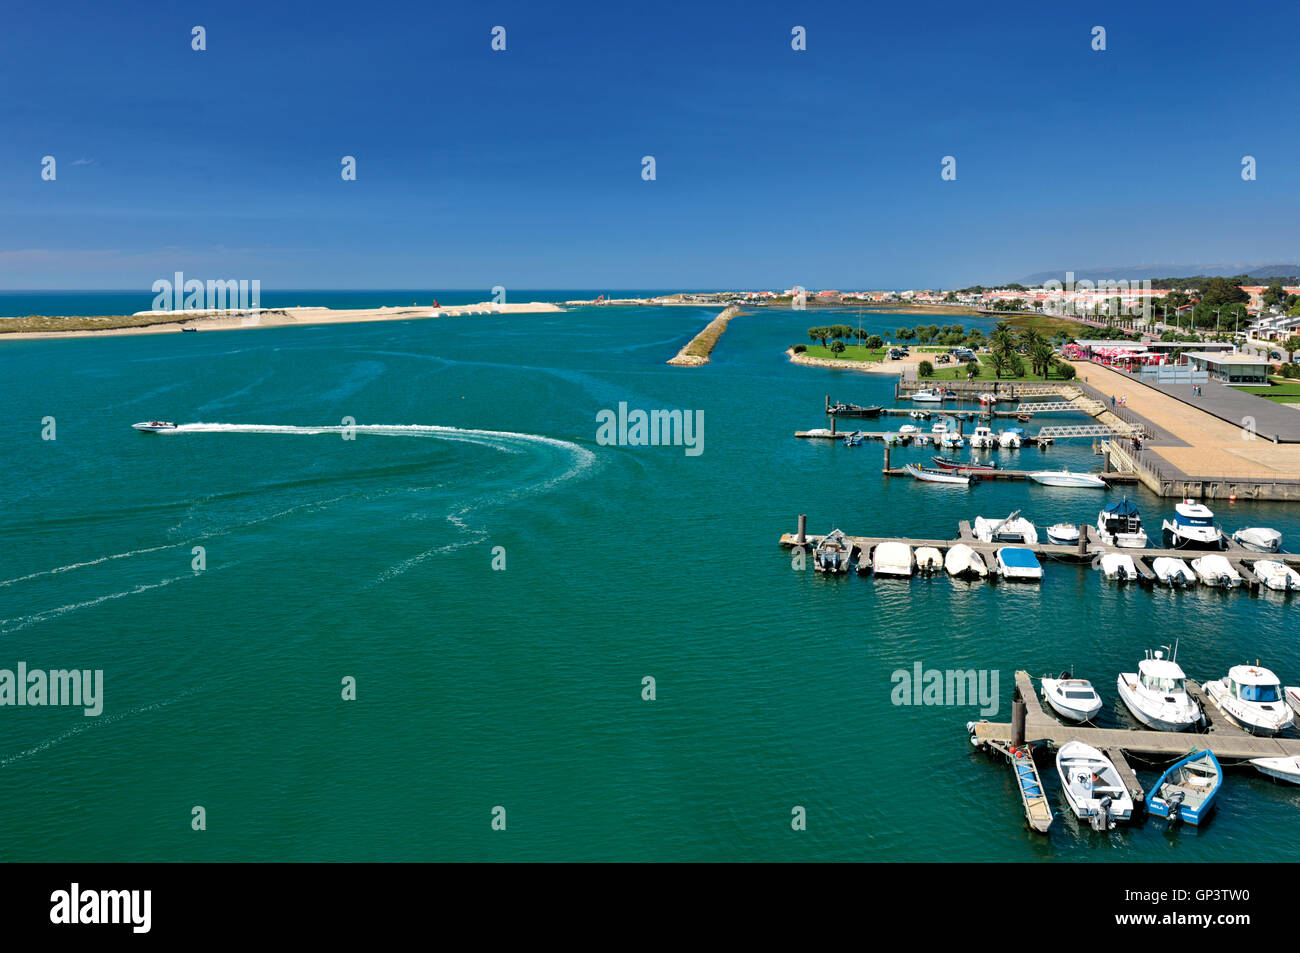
1283,769
1132,703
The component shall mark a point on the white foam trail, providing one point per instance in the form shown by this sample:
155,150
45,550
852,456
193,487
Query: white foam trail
89,562
29,620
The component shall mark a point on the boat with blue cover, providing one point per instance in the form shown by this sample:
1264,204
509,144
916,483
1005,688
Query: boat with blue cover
1187,791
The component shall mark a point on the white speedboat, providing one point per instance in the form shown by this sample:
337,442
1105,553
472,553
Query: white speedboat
1014,529
1019,564
1251,697
154,426
1216,571
1072,698
1277,575
892,559
927,397
1063,534
1011,438
1118,566
928,560
964,562
1120,524
1192,527
1284,769
1067,478
1173,572
983,438
832,553
1092,786
920,440
909,428
952,441
1259,538
1157,696
988,399
928,475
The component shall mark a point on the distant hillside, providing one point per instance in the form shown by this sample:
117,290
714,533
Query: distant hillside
1154,273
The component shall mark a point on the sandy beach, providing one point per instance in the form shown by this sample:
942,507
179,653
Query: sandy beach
282,317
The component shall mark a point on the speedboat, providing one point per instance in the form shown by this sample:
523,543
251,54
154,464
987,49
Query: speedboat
952,440
909,428
988,399
1014,529
1092,786
1072,698
983,438
928,560
921,439
964,562
1120,524
937,476
1173,572
1011,438
1118,566
154,426
1067,478
832,553
892,559
1284,769
1277,575
1216,571
1019,564
947,463
1186,792
927,397
1259,538
1192,527
1251,697
1063,534
855,439
1157,694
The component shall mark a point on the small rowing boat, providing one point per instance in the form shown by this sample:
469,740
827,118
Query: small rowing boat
937,476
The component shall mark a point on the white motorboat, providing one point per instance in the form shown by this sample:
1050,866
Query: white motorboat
1011,438
1192,527
1284,769
1118,566
1093,786
1067,478
952,440
154,426
988,399
927,397
964,562
909,428
1173,572
919,414
1063,534
1216,571
1157,696
928,475
928,560
1014,529
832,553
1072,698
1259,538
1251,696
983,438
1277,575
892,559
920,439
1120,524
1017,563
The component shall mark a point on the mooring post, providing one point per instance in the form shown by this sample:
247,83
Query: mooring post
1083,540
1018,711
886,458
803,529
828,405
833,420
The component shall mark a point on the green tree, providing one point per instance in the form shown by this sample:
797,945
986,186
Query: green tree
837,347
925,369
875,341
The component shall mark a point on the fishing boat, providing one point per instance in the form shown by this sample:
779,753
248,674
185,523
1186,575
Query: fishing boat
983,438
1192,527
1173,572
853,410
927,397
937,476
1277,575
1251,697
948,463
1014,529
154,426
1063,534
964,562
1259,538
1092,786
1072,698
928,560
855,439
1120,524
1067,478
1186,792
892,559
832,553
1011,438
1216,571
1284,769
1157,696
1019,564
1118,566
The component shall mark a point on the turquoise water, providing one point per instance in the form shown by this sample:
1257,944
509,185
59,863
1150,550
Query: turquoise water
372,558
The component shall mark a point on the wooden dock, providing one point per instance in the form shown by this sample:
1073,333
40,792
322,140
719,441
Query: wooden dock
1110,478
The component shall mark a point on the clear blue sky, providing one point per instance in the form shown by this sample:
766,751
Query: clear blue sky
523,168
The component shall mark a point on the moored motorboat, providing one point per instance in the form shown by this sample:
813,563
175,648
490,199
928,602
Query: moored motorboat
928,560
1093,786
1157,696
1067,478
1192,527
1072,698
1120,524
964,562
937,476
927,397
988,399
948,463
1216,571
1173,572
1259,538
1118,566
1187,791
920,440
1277,575
1292,697
154,426
909,428
892,559
1019,564
983,438
832,553
952,441
1013,529
1063,534
1251,697
1011,438
1284,769
855,439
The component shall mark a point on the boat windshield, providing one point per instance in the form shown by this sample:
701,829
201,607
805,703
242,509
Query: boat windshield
1170,685
1195,520
1261,693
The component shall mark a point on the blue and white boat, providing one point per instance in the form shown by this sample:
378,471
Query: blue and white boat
1186,792
855,439
1018,563
1192,527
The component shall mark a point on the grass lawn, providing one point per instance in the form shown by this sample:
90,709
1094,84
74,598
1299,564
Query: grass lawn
986,374
1049,324
1283,391
41,322
852,352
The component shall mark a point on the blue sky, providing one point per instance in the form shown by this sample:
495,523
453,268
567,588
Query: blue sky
523,168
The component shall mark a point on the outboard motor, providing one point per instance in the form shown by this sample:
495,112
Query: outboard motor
1100,818
1175,802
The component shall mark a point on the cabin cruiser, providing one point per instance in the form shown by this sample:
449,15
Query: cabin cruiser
983,438
1019,564
1011,438
1092,786
832,553
892,559
1118,566
1067,478
154,426
962,561
1120,524
1259,538
1251,697
1063,534
1173,572
1072,698
928,560
1014,529
1193,527
1277,575
1216,571
927,396
1157,696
